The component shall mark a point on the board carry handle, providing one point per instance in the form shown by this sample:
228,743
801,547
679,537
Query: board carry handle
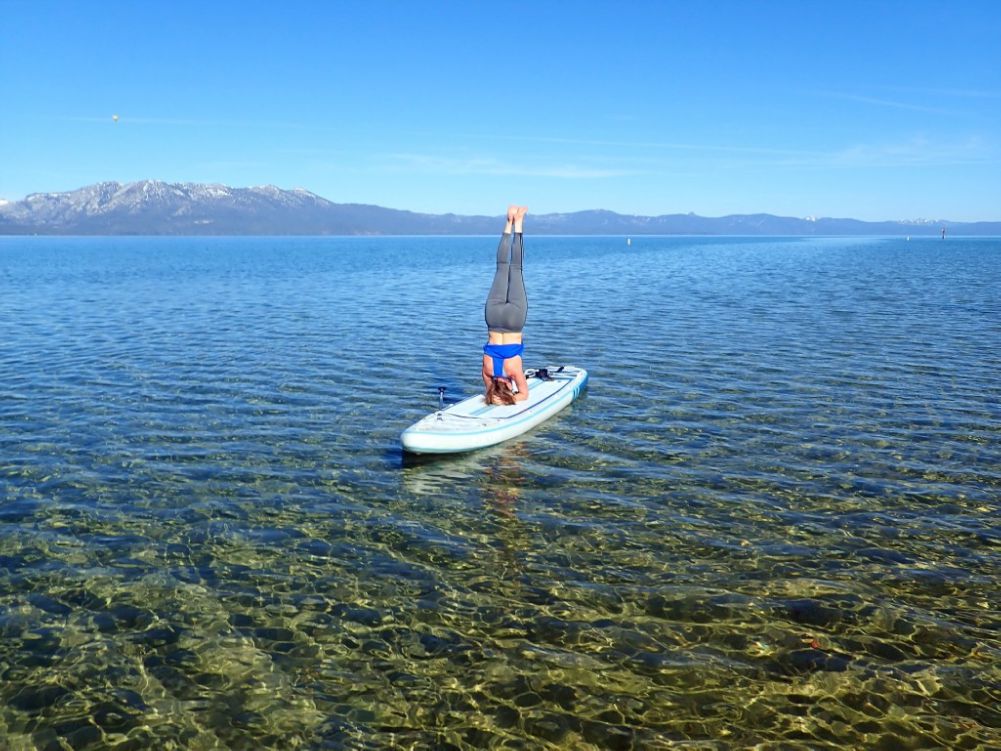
543,374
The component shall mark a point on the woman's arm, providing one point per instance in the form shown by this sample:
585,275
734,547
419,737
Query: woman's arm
522,383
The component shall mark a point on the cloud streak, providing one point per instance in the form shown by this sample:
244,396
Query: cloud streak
660,145
183,122
916,151
958,93
488,166
888,103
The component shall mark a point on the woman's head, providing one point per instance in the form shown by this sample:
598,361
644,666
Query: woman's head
499,392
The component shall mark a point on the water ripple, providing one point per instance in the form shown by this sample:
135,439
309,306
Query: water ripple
771,520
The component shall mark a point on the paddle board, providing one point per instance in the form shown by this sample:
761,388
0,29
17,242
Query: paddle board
474,424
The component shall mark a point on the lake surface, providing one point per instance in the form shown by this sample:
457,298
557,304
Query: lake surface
772,520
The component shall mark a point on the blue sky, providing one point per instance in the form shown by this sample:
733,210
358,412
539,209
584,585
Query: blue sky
875,110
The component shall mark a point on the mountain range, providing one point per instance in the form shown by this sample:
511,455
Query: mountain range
152,207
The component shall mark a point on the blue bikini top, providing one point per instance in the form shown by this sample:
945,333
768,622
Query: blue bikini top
501,352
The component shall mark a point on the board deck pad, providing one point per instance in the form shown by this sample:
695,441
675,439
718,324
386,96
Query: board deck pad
472,423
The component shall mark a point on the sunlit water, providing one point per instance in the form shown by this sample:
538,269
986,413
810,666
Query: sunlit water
772,519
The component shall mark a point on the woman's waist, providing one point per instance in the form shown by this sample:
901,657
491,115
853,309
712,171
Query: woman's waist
504,337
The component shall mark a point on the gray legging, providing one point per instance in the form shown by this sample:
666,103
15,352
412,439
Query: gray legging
507,304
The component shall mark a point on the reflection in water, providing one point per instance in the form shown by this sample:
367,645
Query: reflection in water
491,480
501,485
207,539
502,480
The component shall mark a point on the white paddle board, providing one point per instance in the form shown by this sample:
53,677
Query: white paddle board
474,424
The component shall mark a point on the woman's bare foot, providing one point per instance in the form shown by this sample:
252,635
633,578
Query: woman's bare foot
519,217
511,210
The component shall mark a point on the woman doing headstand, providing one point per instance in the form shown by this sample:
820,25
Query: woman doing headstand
505,313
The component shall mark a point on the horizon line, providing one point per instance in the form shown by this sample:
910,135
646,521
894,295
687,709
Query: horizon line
920,221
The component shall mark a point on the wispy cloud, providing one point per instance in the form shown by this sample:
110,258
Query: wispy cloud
659,145
915,152
232,164
493,167
946,92
180,121
888,103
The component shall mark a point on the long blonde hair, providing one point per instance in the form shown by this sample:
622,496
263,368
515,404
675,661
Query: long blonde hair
499,392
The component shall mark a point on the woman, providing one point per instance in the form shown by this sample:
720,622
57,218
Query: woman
505,314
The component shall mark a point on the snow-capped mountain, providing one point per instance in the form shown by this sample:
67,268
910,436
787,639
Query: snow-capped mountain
153,207
156,207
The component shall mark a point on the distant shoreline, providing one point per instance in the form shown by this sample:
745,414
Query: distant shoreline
913,237
156,208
